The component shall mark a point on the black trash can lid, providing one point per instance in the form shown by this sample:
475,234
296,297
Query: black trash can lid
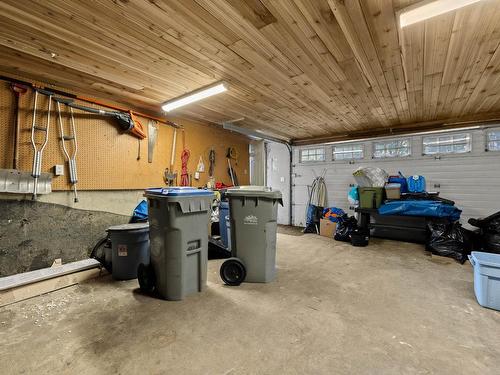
128,227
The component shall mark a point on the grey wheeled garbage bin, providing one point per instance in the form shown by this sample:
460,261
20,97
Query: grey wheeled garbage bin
130,247
253,214
178,229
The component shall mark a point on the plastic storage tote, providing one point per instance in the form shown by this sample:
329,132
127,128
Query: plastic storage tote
401,180
370,197
393,191
178,229
223,212
130,247
486,278
253,214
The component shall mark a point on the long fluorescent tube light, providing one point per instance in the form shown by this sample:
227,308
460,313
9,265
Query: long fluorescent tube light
194,96
418,13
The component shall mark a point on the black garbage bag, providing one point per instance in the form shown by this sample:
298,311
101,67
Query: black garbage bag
491,242
450,240
493,226
489,232
345,226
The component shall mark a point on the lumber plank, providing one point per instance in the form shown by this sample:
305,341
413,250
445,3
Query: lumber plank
9,282
24,292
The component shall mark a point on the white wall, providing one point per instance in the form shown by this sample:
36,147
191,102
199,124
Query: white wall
278,176
472,180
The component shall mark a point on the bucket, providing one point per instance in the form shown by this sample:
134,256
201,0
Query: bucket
130,247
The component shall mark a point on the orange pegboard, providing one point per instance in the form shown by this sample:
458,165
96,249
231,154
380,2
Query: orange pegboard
107,158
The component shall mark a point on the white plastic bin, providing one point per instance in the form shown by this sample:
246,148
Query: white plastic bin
486,278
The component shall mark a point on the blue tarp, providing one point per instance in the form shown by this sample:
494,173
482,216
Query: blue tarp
420,208
140,212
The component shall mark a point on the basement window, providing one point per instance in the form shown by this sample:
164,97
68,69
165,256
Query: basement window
393,148
312,154
447,144
348,152
493,140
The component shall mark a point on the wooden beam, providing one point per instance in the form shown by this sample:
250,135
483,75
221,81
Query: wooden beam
481,119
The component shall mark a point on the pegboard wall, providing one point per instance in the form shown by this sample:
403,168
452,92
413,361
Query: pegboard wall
107,158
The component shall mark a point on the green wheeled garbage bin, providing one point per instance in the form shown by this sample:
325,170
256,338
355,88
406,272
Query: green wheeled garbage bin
178,230
253,214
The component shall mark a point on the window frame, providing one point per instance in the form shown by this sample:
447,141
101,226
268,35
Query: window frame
301,160
468,144
374,150
487,140
361,149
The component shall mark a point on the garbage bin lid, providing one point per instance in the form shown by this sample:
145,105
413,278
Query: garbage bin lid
131,226
253,191
178,191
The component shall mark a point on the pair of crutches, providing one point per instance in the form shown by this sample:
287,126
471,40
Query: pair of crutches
39,148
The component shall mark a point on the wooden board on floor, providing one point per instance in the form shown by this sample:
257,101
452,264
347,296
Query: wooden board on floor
23,292
25,278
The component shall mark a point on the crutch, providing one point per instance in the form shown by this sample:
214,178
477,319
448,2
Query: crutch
73,177
38,152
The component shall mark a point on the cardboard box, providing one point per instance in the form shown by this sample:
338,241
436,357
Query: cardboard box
327,228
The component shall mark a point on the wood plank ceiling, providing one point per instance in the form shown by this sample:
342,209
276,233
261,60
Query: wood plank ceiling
298,69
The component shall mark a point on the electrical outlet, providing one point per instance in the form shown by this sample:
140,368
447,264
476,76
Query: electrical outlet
59,170
282,179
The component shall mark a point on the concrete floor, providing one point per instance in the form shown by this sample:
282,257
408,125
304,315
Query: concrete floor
334,309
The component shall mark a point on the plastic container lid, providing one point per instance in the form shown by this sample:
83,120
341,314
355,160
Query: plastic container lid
253,191
486,259
178,191
131,226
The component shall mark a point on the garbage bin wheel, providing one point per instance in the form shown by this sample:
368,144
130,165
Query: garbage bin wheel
233,272
146,277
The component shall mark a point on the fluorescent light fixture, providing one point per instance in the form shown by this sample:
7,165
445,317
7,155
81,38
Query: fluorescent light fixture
194,96
428,9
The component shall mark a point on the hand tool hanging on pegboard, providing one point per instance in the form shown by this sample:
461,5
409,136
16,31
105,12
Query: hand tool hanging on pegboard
185,180
152,136
211,168
38,149
71,138
169,176
125,121
233,154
